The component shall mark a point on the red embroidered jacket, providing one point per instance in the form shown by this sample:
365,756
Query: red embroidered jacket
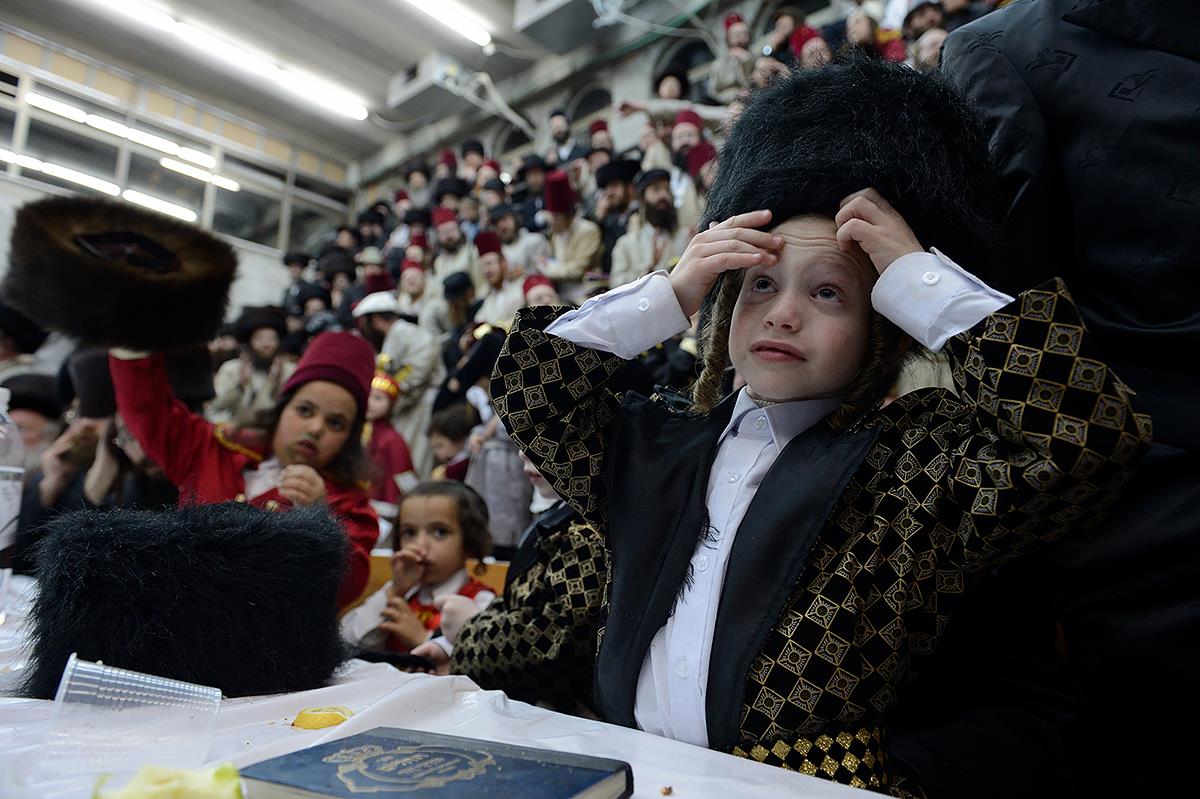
207,466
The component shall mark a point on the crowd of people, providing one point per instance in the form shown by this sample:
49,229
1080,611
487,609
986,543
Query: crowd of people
479,327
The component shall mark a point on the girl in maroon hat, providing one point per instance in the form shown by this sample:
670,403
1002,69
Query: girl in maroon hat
312,452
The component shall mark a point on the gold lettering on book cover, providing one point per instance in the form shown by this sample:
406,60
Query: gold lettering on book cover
403,769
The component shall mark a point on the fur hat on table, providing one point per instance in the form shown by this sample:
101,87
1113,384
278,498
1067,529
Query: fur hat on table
224,595
113,274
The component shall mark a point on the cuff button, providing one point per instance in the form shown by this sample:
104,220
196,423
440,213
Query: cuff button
930,278
643,304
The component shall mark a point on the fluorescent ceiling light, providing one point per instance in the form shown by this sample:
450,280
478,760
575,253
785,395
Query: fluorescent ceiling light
197,157
107,125
56,107
217,46
199,174
160,205
457,18
152,141
61,172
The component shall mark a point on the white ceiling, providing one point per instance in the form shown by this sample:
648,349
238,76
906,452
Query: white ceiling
356,44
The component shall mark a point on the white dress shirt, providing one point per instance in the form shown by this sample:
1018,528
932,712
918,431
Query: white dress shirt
926,294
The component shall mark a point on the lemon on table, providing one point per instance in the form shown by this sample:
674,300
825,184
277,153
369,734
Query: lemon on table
318,718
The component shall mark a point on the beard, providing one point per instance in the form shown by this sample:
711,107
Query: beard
680,157
373,336
562,137
663,218
450,248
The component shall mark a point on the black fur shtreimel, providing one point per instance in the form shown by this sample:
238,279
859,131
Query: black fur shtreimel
222,595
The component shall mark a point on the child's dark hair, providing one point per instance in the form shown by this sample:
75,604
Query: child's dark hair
812,138
472,513
350,466
455,422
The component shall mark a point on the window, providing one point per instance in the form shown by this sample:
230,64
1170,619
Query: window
311,225
335,193
248,216
590,101
148,176
63,148
8,121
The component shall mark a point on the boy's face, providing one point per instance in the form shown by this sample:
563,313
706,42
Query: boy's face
799,328
492,266
443,448
378,405
314,425
430,526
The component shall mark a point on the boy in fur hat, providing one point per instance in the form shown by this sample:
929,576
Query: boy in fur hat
786,554
312,453
246,387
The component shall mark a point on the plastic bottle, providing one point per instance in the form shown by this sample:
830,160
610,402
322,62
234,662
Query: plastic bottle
12,475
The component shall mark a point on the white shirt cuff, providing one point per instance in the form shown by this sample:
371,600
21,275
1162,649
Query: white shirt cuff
932,298
627,320
444,643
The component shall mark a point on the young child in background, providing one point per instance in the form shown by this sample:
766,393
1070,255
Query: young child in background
449,431
392,464
441,524
311,454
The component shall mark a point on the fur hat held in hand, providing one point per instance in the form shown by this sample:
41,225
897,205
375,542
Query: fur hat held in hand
224,595
113,274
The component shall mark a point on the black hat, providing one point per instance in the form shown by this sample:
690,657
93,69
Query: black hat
90,381
449,186
531,161
27,337
114,274
456,284
915,7
298,258
256,317
651,176
335,261
310,291
226,595
558,112
371,217
417,166
34,392
624,171
807,141
472,146
495,184
593,150
418,216
504,209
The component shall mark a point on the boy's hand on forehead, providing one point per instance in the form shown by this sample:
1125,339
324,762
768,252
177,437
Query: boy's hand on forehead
733,244
868,221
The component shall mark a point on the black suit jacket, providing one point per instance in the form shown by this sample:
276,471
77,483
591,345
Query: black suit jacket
1094,108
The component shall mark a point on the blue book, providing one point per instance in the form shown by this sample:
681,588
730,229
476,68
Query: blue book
424,765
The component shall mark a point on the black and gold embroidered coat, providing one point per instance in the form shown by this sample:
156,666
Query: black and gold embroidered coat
537,642
858,544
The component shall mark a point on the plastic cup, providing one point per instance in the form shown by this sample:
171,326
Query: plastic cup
110,719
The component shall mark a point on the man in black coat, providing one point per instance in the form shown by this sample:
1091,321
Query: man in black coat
1094,112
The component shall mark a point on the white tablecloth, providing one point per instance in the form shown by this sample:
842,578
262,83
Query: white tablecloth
257,728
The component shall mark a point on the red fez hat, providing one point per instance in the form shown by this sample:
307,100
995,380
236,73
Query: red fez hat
535,280
446,157
802,36
597,126
400,195
493,163
689,117
700,155
408,263
419,239
732,19
443,215
380,281
341,358
560,197
487,241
